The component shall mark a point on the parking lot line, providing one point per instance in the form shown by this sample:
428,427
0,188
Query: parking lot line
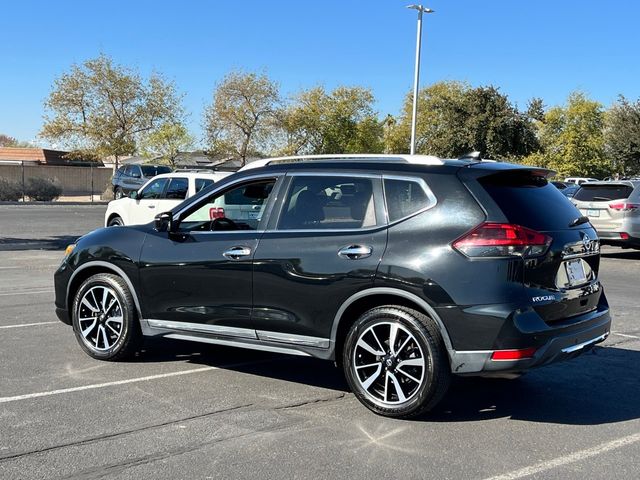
127,381
27,325
106,384
34,292
568,459
626,335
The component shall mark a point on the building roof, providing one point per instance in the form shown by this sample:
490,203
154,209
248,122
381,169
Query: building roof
41,156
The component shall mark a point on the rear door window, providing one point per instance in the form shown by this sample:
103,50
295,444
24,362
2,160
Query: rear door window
177,189
202,183
529,200
329,203
603,193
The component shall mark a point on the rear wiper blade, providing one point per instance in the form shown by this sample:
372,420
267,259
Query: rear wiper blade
579,221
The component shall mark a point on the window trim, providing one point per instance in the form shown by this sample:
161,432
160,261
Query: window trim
379,206
433,200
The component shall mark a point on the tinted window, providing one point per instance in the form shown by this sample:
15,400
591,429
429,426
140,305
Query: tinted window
329,203
127,170
245,214
177,189
153,170
529,200
202,183
154,189
404,198
603,193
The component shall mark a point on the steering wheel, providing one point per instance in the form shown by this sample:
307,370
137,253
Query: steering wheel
223,223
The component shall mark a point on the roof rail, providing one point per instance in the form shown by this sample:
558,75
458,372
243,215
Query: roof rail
414,159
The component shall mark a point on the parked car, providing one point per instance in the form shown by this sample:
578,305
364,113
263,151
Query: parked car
613,208
161,193
570,191
559,185
405,270
579,180
129,178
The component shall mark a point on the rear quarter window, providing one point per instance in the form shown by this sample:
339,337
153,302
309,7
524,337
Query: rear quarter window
529,200
405,197
603,193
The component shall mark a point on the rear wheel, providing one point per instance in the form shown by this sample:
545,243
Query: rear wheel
395,362
104,318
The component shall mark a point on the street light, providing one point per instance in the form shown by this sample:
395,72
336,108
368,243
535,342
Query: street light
416,78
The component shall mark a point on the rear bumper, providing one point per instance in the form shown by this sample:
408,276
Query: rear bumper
562,341
613,238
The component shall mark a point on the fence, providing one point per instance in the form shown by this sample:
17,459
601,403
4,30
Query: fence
74,180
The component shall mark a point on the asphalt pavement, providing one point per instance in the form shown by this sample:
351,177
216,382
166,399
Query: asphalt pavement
197,411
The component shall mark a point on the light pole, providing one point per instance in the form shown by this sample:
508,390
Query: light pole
416,78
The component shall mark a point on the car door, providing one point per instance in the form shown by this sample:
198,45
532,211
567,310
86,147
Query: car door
144,208
324,246
199,278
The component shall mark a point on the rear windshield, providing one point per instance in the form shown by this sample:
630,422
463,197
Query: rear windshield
603,193
529,200
153,170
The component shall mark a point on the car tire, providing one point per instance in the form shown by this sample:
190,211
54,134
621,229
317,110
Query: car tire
104,318
115,222
401,374
118,193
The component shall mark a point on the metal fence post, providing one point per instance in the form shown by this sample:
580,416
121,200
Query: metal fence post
91,166
22,165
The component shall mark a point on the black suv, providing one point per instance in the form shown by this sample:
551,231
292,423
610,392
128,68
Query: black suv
403,269
129,178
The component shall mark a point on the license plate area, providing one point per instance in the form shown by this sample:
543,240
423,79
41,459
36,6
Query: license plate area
593,212
575,272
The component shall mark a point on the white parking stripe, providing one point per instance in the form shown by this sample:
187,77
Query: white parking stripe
571,458
27,325
124,382
25,293
626,335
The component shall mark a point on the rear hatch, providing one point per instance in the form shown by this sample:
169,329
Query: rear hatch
605,204
560,275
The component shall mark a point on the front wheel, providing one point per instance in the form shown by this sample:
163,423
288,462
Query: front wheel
118,193
395,362
115,222
104,318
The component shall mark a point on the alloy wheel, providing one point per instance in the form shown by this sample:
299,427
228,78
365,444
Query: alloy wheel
389,363
100,318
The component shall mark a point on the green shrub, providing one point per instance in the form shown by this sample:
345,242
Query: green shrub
10,191
42,189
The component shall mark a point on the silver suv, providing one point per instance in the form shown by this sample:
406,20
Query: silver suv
613,209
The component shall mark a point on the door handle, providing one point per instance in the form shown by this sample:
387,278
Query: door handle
236,253
355,252
151,206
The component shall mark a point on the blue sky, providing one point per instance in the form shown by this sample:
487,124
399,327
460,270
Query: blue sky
526,48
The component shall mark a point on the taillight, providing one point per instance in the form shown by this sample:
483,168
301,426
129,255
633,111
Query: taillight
216,212
624,206
502,240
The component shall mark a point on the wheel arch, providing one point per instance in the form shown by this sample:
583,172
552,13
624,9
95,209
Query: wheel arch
364,300
89,269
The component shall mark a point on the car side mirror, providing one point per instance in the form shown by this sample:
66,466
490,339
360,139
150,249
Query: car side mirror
134,195
163,222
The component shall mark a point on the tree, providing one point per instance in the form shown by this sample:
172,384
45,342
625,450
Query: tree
104,108
166,142
342,121
241,118
572,139
7,141
622,136
454,119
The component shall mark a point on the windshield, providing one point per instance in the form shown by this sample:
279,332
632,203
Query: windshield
603,193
